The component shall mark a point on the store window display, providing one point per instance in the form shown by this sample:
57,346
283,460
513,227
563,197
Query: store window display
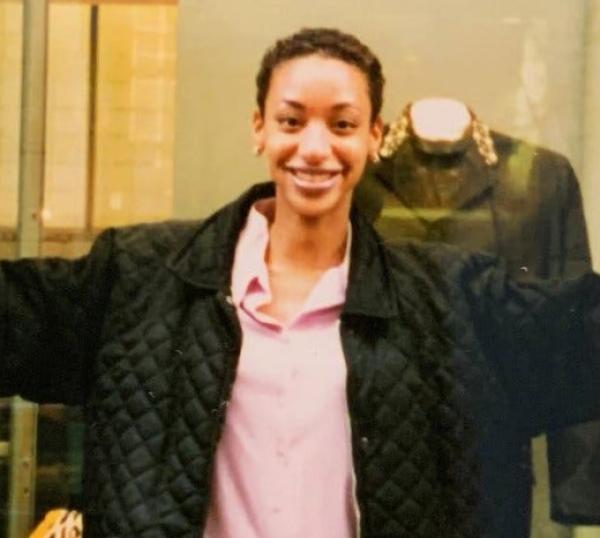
444,354
444,176
527,69
460,182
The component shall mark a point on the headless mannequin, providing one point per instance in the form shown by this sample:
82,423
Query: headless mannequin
441,125
441,129
428,146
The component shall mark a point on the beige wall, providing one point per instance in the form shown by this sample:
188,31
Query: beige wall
590,175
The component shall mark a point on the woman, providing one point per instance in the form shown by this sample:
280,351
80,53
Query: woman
277,371
317,125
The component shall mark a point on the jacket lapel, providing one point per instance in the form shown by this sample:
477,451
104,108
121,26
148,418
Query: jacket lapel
205,260
370,291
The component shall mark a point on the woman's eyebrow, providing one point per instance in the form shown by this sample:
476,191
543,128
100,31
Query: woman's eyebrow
345,104
338,106
294,104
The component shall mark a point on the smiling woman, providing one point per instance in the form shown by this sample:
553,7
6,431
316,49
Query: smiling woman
316,133
317,142
318,95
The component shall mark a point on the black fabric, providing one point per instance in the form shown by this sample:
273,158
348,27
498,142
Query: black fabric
527,210
446,360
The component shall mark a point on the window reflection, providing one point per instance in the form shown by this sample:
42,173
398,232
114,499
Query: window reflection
111,79
108,161
11,16
135,104
11,20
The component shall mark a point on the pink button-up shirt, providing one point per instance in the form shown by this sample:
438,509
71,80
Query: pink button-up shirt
283,466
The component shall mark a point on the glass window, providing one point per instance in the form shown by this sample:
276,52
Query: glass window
109,146
108,161
11,15
67,116
135,107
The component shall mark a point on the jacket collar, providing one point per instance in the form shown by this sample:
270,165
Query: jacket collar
408,175
205,261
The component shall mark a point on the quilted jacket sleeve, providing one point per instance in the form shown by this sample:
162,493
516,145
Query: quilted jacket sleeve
51,311
544,338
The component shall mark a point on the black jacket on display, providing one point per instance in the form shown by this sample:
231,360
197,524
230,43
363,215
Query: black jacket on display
447,360
525,208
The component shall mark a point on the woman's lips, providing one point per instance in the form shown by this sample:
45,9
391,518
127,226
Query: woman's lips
315,180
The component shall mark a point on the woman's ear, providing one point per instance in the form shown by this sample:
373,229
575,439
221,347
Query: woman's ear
258,132
376,137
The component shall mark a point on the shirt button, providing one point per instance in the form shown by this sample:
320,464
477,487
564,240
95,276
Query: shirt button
364,443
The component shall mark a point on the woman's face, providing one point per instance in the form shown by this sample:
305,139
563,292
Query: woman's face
317,134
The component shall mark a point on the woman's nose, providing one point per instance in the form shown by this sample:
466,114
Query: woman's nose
315,143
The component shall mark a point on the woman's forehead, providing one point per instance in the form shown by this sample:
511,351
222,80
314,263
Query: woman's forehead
318,77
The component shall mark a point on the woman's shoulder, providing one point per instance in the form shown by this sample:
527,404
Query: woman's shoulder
146,245
440,270
154,238
448,259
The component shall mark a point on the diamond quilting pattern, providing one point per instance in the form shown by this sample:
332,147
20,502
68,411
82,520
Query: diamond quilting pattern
152,344
440,396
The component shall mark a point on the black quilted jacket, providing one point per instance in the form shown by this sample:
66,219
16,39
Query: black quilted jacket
445,357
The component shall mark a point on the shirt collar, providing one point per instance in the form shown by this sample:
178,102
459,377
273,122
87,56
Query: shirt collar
204,259
249,261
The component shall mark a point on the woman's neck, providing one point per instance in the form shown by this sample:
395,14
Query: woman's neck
306,245
300,250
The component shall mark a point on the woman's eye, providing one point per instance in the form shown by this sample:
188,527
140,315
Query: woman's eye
344,125
288,122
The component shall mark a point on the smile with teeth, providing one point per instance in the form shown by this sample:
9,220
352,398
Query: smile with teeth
314,179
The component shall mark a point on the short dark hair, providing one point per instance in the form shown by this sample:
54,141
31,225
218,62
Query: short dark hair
328,42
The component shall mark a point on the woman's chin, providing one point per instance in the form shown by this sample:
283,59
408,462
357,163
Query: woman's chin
320,207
